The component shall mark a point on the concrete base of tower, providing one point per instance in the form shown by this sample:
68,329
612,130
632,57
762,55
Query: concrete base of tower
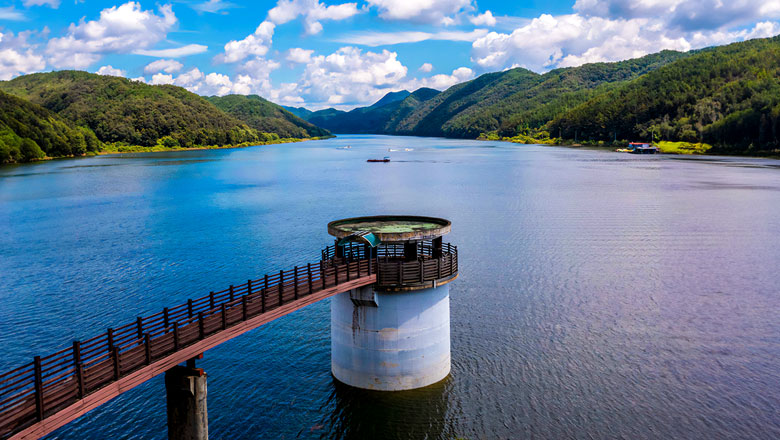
390,341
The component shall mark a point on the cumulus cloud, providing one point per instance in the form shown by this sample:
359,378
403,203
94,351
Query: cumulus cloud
299,56
50,3
612,30
110,71
426,67
256,44
120,29
167,66
313,12
17,57
422,11
485,19
682,14
441,81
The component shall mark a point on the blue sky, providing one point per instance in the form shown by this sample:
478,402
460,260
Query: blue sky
344,54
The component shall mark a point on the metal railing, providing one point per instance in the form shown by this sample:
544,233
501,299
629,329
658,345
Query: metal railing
40,389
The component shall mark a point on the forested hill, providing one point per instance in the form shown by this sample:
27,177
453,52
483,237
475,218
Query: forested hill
30,132
265,116
727,96
494,102
130,113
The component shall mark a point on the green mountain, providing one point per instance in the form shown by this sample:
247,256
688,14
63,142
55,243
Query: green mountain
506,102
265,116
512,100
130,113
30,132
300,112
375,118
727,96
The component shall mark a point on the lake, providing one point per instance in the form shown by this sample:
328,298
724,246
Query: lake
601,295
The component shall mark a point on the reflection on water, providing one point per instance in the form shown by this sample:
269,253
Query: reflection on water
601,295
364,414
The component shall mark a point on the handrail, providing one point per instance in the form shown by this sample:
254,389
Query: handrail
38,390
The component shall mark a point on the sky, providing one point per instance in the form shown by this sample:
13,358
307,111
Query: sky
321,54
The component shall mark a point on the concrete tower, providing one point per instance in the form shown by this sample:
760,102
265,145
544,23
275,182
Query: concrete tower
394,334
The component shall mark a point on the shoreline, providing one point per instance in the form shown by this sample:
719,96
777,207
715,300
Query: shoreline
129,149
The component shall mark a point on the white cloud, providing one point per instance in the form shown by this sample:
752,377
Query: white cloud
422,11
256,44
17,57
351,77
374,39
685,15
441,81
426,67
313,12
120,29
11,14
50,3
161,78
298,55
167,66
176,52
485,19
213,6
110,71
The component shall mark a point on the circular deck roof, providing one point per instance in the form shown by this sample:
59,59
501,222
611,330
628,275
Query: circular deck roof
391,227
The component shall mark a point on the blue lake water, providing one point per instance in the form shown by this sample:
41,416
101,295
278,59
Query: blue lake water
601,295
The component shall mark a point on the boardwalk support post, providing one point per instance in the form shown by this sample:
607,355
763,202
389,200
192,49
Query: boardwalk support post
187,412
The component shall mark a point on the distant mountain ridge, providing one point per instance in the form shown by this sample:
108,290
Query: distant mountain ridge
265,116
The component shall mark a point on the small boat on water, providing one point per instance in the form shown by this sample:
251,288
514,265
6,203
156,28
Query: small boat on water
347,147
408,149
639,148
385,159
391,149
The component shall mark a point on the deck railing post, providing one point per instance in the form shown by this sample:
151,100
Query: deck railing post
148,348
165,319
295,282
175,336
308,275
110,338
223,311
189,308
263,294
401,272
38,388
201,326
139,324
80,380
336,275
281,286
420,262
115,358
348,264
438,268
243,307
231,291
322,274
369,263
211,300
248,289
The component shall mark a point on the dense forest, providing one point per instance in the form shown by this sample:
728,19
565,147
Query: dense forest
265,116
727,97
30,132
95,110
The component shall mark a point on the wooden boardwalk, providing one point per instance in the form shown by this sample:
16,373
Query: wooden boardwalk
44,395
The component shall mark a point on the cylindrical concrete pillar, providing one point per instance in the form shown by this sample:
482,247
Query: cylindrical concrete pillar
391,340
187,413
